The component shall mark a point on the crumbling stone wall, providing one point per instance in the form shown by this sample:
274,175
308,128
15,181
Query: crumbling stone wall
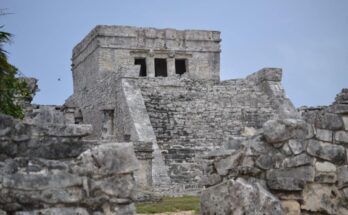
300,164
49,169
192,117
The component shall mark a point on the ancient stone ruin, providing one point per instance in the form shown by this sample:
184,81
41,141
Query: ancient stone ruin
150,115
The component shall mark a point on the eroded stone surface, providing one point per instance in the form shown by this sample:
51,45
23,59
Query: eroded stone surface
234,197
291,207
321,198
276,131
341,136
326,151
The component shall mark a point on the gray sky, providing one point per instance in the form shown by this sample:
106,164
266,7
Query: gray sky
307,38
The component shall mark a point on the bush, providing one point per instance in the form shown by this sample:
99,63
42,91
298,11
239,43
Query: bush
12,90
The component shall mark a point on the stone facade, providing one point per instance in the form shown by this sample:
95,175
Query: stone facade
300,164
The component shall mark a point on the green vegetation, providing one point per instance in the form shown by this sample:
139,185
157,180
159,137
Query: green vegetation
11,89
170,204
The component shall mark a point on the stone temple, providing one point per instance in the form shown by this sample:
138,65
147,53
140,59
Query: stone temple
149,115
163,86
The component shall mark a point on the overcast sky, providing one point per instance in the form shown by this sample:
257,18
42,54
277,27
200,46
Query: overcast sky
307,38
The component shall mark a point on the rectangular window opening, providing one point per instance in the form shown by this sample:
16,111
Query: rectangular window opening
161,67
142,63
180,66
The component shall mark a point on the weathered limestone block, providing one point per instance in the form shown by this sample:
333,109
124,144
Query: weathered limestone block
68,130
298,160
55,211
324,135
325,172
290,179
297,146
341,137
291,207
339,108
223,165
325,167
101,175
325,177
266,74
211,180
320,198
276,131
285,183
323,120
345,121
326,151
106,159
239,197
342,176
270,160
345,193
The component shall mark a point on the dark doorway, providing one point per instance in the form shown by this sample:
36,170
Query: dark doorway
142,63
180,66
160,67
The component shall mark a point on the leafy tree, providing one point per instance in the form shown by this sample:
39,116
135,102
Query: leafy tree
12,90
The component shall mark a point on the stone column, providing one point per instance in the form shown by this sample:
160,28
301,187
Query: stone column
69,115
171,66
150,64
108,123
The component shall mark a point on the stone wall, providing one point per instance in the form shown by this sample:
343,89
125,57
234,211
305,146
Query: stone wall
193,117
50,169
301,164
106,48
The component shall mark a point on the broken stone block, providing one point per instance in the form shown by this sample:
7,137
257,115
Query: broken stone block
342,176
223,165
285,183
271,160
297,146
325,177
276,131
298,160
55,211
328,121
345,122
264,162
326,151
325,172
211,180
107,159
325,167
235,196
286,149
345,193
292,179
297,195
69,130
320,198
324,135
341,136
291,207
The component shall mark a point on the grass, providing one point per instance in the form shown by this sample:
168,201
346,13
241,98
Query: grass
170,204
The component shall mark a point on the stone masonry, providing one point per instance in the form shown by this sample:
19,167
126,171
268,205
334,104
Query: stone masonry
150,114
293,166
162,86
